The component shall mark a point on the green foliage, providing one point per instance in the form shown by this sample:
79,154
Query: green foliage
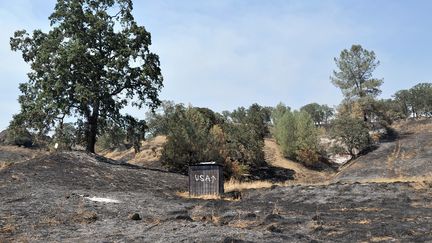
354,76
197,135
297,136
114,137
242,146
93,62
19,137
65,136
386,111
17,134
189,140
416,101
421,99
320,114
353,133
159,122
256,116
135,131
405,101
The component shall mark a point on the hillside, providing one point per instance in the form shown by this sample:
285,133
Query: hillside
408,158
151,150
80,197
302,174
149,156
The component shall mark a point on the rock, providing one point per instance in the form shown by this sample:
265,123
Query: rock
273,218
235,195
134,216
184,217
274,229
233,240
250,216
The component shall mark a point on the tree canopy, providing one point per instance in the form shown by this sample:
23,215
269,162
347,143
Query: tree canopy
93,62
354,75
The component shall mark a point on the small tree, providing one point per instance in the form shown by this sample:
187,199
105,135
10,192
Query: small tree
319,113
188,140
256,116
297,136
354,76
196,135
135,132
351,132
421,95
405,100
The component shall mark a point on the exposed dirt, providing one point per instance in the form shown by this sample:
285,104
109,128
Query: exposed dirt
79,197
302,174
55,198
149,156
13,154
408,158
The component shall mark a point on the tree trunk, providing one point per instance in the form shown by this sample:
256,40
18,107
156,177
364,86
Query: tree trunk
92,129
365,119
91,135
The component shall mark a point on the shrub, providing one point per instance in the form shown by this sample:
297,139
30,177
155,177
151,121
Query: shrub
113,137
65,136
352,132
18,136
297,136
188,140
196,135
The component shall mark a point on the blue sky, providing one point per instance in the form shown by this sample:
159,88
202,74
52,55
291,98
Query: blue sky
223,54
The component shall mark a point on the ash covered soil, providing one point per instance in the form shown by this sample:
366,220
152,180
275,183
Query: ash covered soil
79,197
409,157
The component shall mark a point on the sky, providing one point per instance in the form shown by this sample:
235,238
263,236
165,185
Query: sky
223,54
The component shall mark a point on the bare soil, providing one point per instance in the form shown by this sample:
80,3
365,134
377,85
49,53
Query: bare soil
79,197
408,158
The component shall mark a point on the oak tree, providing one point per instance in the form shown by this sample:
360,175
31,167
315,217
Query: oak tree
94,61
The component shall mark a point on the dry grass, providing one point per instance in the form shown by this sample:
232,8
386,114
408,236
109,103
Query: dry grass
4,165
51,221
303,175
381,239
359,209
203,197
410,126
234,185
241,223
84,217
151,151
364,221
8,229
417,182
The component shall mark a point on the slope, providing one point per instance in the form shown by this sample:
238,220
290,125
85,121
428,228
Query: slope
408,158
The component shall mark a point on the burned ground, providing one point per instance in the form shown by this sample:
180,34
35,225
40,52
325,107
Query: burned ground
50,199
79,197
407,158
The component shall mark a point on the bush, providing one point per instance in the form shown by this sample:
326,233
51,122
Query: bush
352,132
297,136
196,135
113,137
242,149
18,136
65,136
188,140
